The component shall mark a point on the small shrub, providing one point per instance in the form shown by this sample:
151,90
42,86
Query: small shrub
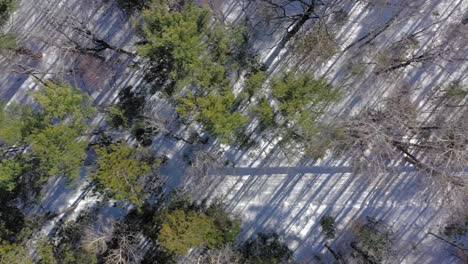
8,41
116,117
317,44
357,69
143,133
265,113
132,6
254,82
128,109
6,7
374,239
454,230
341,17
455,90
188,227
266,248
328,226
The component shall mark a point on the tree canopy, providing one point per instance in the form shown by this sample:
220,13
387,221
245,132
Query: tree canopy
216,112
266,248
181,231
6,7
302,100
187,52
44,142
14,254
120,172
185,226
174,39
57,149
12,122
62,103
301,95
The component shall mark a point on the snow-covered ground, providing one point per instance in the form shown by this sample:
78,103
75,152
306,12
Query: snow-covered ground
271,190
267,188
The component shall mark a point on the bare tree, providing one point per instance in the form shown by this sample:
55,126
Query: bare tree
316,44
125,246
225,255
291,14
95,241
80,37
398,131
199,176
409,50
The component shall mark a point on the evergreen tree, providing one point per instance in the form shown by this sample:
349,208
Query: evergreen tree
327,223
181,231
45,142
57,150
302,100
299,95
45,252
174,39
186,226
62,103
266,248
120,172
265,113
6,7
10,171
216,112
254,82
11,124
8,41
54,135
14,254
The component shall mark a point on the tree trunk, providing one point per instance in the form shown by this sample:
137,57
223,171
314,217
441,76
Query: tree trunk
410,157
366,256
291,33
336,255
448,242
297,26
406,63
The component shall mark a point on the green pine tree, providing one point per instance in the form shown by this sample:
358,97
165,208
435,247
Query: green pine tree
119,171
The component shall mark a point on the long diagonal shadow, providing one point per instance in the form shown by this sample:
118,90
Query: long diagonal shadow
244,171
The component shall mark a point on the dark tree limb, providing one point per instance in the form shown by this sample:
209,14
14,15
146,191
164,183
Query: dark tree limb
448,242
335,254
367,257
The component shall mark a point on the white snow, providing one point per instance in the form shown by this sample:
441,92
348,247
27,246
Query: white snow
267,188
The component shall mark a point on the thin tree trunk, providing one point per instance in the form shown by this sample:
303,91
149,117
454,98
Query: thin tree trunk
410,157
336,255
366,256
371,35
297,26
446,241
406,63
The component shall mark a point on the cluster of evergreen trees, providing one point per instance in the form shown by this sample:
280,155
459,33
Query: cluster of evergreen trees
54,139
195,59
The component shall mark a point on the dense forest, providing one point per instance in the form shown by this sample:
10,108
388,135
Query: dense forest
240,131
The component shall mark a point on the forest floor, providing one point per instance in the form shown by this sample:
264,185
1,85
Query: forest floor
269,188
